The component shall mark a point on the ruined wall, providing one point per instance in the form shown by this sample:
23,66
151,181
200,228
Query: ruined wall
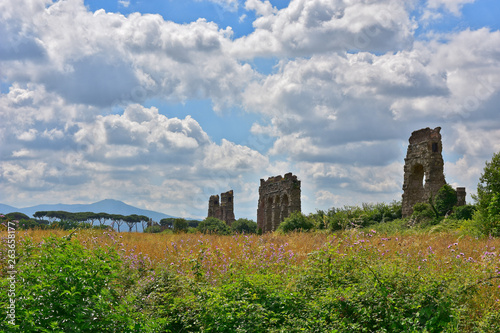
461,196
278,198
223,209
423,170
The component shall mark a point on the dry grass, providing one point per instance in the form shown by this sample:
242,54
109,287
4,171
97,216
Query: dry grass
447,252
160,247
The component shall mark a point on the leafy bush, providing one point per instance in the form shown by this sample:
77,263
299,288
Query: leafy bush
346,218
193,223
153,229
296,222
211,225
359,295
445,200
350,217
67,288
244,226
249,303
487,221
464,212
424,214
180,225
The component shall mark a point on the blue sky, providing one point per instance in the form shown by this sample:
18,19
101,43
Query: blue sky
163,103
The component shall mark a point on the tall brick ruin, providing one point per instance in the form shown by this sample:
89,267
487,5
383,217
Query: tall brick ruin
424,169
278,198
461,196
223,209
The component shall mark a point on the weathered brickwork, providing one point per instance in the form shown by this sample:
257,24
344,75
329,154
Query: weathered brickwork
424,169
223,209
278,198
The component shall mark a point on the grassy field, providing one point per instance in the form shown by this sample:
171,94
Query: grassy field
99,281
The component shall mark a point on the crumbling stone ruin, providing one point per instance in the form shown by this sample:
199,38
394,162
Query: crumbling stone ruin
423,170
223,209
278,198
461,196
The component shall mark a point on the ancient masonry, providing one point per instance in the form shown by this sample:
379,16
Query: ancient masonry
223,209
423,170
278,198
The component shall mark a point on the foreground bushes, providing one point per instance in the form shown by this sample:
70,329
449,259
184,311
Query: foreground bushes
61,286
354,282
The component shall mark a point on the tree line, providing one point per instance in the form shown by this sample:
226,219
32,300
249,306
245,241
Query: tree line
68,220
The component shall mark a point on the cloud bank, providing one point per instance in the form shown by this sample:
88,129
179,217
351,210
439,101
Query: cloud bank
350,81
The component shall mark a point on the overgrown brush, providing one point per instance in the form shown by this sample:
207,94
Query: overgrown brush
348,282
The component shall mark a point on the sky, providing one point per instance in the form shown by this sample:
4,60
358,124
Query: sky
161,104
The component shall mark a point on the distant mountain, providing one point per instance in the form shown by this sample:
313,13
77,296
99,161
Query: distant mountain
5,209
109,206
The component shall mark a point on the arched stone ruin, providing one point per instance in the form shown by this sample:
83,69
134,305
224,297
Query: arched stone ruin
278,198
424,169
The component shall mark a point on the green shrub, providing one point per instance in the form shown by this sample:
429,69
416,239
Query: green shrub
211,225
464,212
424,214
249,303
244,226
354,292
296,222
487,221
193,223
180,225
64,287
153,229
445,200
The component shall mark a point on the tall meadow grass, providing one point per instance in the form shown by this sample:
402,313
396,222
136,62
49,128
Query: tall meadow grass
348,282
